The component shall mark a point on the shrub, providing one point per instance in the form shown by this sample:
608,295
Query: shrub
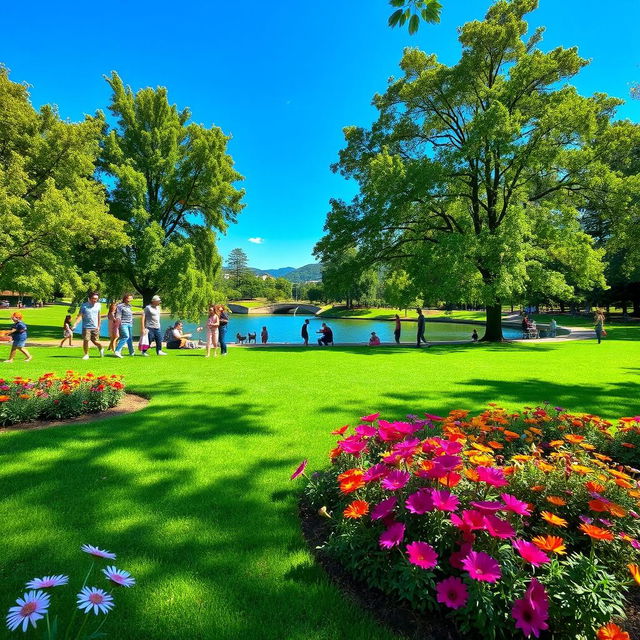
52,397
511,523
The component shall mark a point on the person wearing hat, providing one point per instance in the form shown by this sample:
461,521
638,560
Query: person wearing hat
151,324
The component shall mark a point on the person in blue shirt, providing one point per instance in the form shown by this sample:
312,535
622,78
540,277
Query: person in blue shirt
19,337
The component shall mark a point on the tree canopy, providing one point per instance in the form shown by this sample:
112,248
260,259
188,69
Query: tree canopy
411,12
474,175
173,186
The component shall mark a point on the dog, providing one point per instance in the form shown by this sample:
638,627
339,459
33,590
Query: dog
240,339
251,338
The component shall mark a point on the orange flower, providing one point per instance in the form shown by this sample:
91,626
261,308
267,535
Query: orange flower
334,453
612,631
594,486
481,447
340,431
4,398
578,468
625,484
587,447
351,480
537,488
616,510
511,435
544,466
495,445
554,544
573,438
596,532
521,458
450,480
24,396
472,475
357,509
601,456
598,505
628,445
553,519
559,502
535,430
556,443
635,572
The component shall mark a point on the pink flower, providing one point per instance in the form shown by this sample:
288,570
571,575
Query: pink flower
395,480
120,577
99,553
457,557
532,612
353,445
375,473
492,476
451,447
366,430
393,536
387,431
299,471
444,500
511,503
93,598
47,581
497,527
452,592
420,502
370,418
481,566
406,448
530,552
433,418
469,520
384,508
29,609
422,555
488,506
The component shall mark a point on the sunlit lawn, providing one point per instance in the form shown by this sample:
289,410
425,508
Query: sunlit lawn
193,493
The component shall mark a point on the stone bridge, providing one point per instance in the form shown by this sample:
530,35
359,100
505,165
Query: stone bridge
281,307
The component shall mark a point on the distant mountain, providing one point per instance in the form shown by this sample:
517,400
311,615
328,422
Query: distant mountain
276,273
305,274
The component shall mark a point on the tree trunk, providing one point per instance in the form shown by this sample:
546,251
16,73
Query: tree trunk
493,329
561,307
624,306
147,294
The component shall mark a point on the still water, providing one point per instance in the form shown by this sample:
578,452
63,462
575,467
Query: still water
286,328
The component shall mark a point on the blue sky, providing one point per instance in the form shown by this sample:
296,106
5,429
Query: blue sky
282,77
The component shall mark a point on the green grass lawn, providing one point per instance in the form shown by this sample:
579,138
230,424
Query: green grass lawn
194,495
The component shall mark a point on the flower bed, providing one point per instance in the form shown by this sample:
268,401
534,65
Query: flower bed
511,524
53,397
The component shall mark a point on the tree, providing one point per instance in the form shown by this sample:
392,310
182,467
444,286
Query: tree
473,176
410,12
173,187
51,207
238,265
400,291
346,277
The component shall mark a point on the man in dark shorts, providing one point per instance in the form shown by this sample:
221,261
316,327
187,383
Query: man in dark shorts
90,312
327,335
305,332
421,324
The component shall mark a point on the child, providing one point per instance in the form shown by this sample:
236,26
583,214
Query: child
67,331
114,327
19,336
264,335
474,336
213,326
374,341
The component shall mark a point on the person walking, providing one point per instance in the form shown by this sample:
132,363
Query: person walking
397,330
114,327
599,325
124,314
90,312
151,325
213,331
421,324
222,329
67,332
19,337
305,332
264,335
327,335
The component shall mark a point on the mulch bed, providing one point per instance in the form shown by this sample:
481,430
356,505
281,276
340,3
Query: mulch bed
399,618
129,404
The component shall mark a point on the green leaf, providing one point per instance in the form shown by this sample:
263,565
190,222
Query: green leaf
394,17
414,24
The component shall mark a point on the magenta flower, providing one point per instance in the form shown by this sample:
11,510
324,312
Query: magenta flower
511,503
299,471
100,553
488,506
353,445
444,500
450,447
433,418
586,519
393,536
420,502
532,611
395,480
47,581
120,577
457,557
497,527
530,552
375,473
365,430
370,418
384,508
93,598
447,462
387,431
606,522
407,428
422,555
492,476
406,448
481,566
468,520
29,609
452,592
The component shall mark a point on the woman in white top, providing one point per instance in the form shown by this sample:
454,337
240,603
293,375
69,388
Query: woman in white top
213,325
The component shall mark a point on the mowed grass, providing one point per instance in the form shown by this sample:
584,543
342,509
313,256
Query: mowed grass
193,493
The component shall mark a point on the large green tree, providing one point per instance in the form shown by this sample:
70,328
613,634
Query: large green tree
52,210
173,186
238,265
474,174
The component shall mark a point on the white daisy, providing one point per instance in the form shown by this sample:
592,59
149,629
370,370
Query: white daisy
31,607
98,553
47,581
123,578
93,598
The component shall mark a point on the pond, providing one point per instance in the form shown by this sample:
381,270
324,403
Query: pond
286,328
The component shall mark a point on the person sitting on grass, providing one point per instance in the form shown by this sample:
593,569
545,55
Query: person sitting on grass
175,339
19,337
374,340
327,335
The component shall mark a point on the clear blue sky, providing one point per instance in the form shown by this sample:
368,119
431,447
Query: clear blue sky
282,77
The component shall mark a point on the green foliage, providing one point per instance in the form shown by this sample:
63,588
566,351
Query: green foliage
238,266
412,11
174,186
52,210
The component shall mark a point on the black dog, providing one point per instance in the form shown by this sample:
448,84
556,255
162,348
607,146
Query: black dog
240,339
251,337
